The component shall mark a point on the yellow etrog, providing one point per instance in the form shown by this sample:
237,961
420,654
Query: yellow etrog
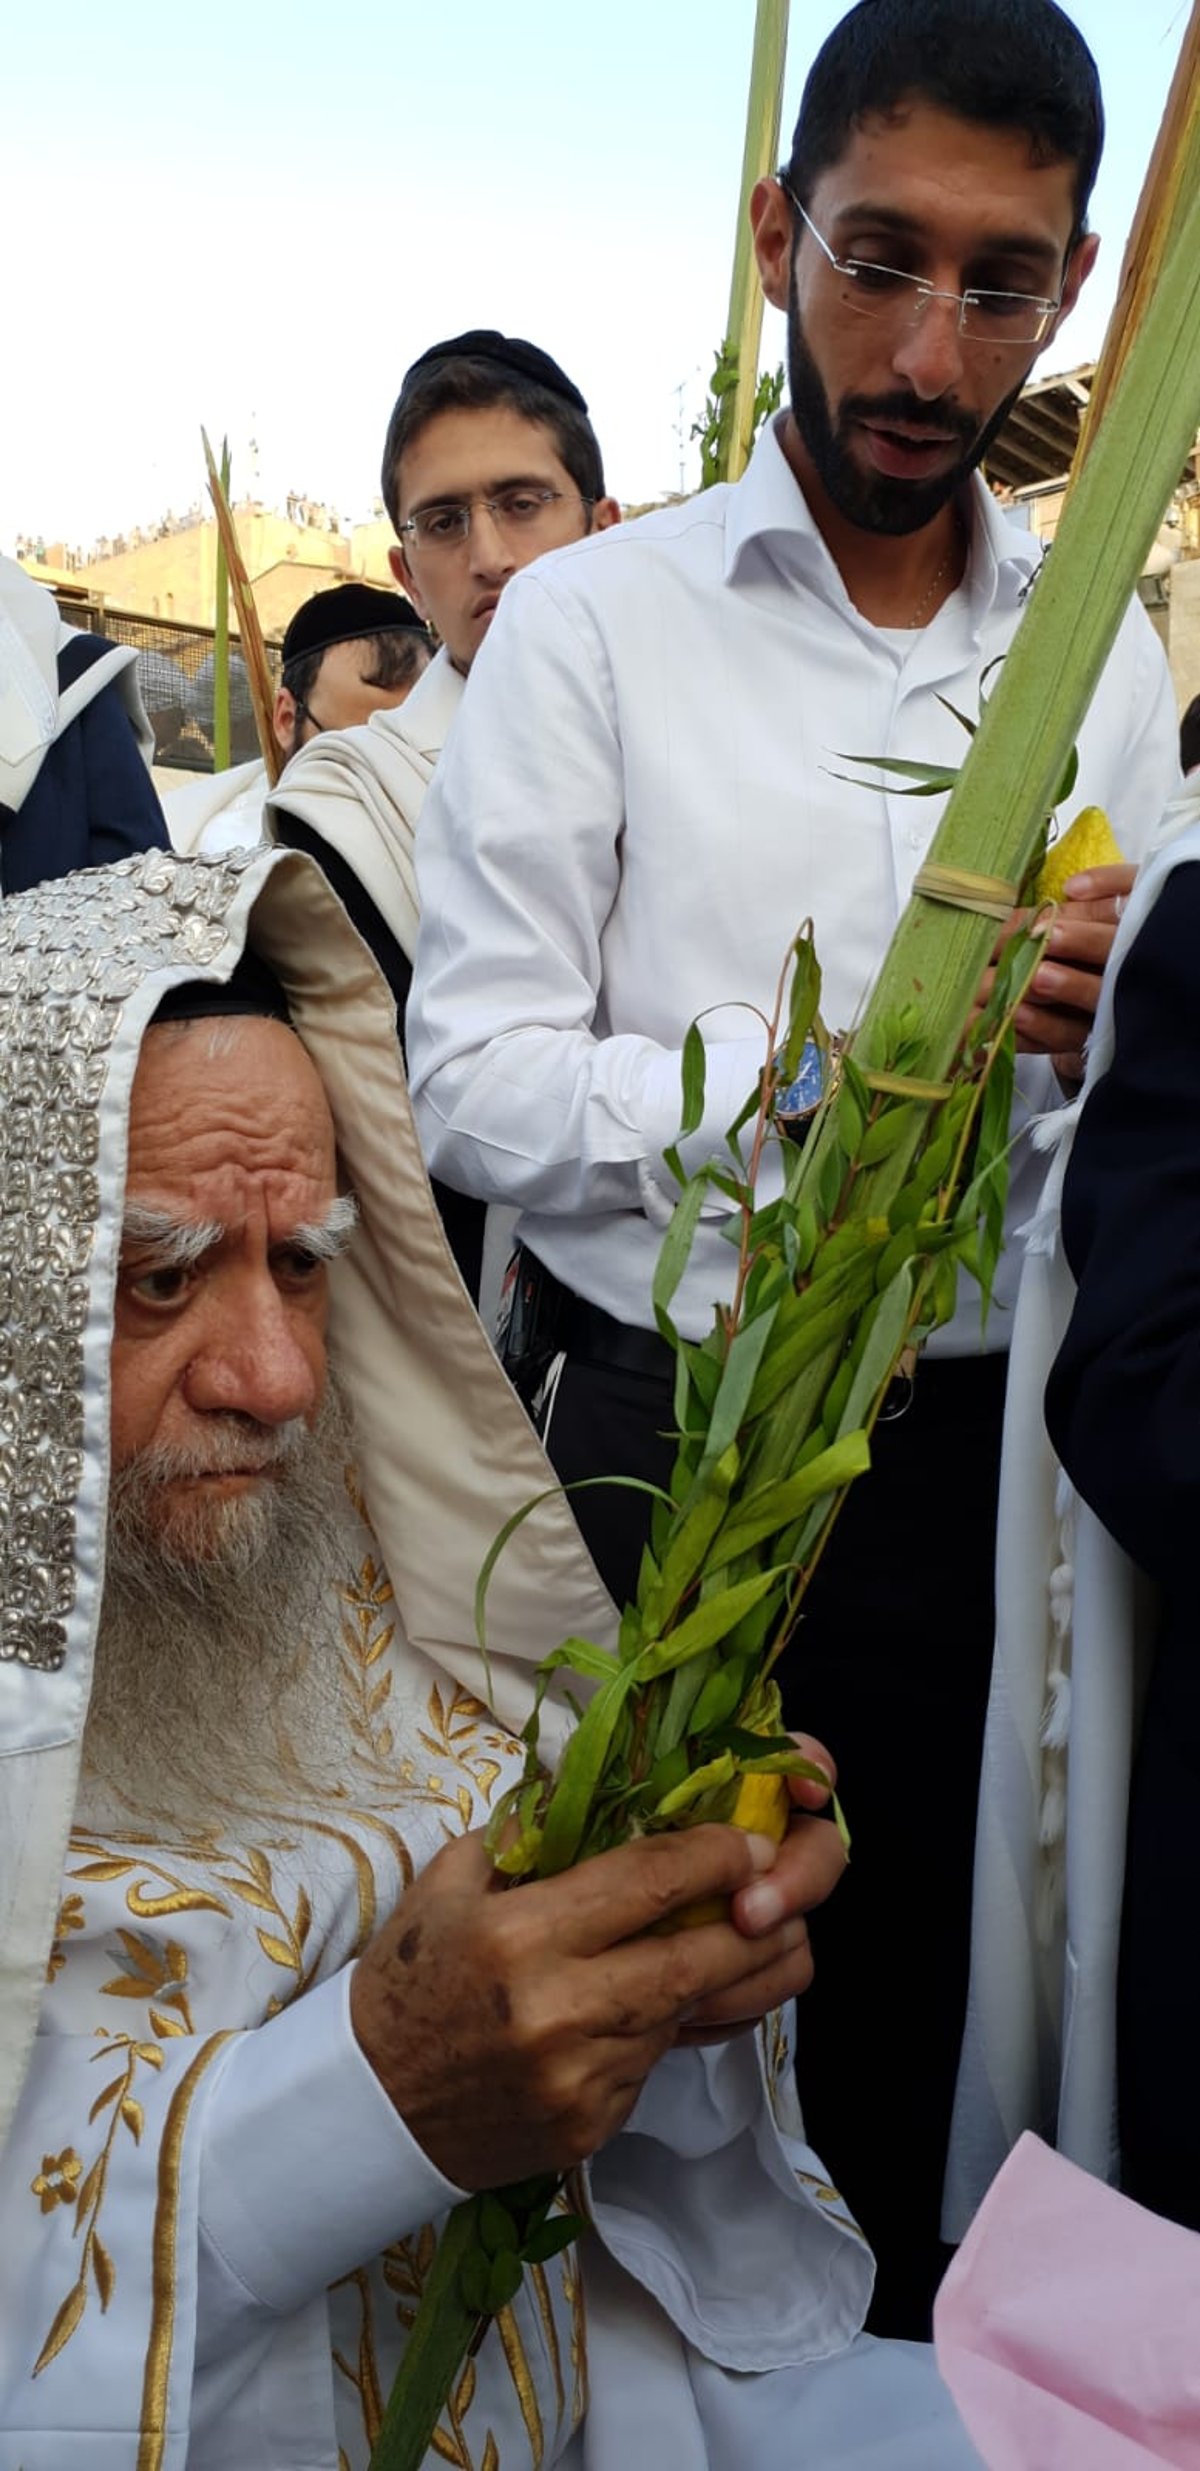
763,1808
1091,842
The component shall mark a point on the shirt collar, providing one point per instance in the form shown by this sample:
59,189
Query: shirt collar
768,506
424,717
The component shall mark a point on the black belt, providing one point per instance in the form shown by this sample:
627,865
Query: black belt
592,1336
586,1331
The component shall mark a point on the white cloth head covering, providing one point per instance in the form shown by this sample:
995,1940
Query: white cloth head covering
446,1454
32,714
30,632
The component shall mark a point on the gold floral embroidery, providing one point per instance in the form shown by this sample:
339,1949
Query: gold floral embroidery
573,2289
777,2057
70,1917
364,2376
103,1863
450,2442
522,2377
454,1737
832,2199
571,2199
245,1875
364,1873
405,2266
575,2199
249,1877
539,2282
156,2375
158,1975
57,2183
368,1631
367,1634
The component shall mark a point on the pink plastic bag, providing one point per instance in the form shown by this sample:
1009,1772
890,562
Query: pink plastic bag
1068,2326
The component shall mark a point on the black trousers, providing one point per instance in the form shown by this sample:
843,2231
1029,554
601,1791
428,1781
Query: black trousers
1158,2000
890,1669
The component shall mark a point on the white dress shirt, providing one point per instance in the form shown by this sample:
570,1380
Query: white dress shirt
645,796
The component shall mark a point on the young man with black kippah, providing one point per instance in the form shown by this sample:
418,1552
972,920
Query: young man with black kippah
646,795
349,651
490,460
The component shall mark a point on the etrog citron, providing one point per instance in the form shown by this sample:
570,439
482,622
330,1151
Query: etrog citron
1090,842
763,1808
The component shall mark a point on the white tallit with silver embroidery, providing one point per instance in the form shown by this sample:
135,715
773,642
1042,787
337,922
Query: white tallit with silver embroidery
213,2227
1073,1627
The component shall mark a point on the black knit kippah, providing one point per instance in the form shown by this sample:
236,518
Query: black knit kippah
344,614
252,988
508,352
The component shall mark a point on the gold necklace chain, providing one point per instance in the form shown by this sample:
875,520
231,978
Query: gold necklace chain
940,577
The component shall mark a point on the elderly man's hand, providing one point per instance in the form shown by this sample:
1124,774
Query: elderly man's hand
1057,1014
513,2030
809,1864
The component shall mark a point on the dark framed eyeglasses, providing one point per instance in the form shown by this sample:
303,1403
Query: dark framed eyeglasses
887,291
516,510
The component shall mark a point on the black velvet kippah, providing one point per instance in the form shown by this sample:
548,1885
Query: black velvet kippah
253,988
509,352
344,614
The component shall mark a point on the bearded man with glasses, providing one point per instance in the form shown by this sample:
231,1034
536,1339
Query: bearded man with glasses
647,793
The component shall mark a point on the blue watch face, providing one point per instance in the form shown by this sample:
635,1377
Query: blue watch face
803,1095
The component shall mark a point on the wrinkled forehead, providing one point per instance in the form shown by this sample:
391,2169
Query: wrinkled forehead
234,1096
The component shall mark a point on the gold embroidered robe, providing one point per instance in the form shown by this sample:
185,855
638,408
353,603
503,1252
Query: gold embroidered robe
128,2327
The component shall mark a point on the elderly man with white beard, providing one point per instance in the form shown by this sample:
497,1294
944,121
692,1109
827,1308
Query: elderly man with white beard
264,2017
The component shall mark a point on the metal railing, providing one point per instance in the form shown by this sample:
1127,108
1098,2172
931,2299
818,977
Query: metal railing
175,672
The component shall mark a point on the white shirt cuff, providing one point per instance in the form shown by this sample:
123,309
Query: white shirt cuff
732,1067
306,2169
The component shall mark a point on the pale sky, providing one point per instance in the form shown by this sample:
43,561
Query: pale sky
256,218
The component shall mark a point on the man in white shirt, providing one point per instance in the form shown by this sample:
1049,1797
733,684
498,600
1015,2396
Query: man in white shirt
646,795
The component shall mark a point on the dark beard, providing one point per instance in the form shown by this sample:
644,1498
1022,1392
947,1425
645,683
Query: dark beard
872,500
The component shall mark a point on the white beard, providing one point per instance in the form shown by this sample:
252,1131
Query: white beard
217,1681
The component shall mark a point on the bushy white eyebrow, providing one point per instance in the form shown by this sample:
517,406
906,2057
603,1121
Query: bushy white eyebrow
332,1233
178,1244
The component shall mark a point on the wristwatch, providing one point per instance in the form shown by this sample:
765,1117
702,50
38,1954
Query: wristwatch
797,1103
